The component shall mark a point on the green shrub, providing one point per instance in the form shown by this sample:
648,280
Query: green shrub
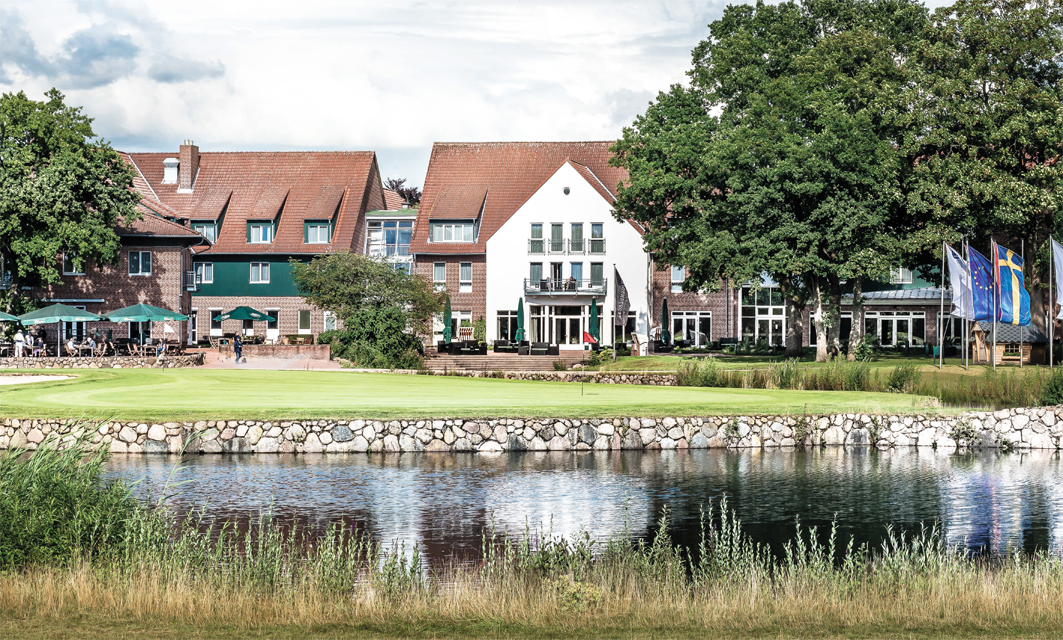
595,359
377,339
903,378
56,508
866,349
1052,388
560,365
479,330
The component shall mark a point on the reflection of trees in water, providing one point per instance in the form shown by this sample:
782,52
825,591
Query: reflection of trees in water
443,503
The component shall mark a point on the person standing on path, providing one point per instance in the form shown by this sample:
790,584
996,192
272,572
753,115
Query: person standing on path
238,348
20,342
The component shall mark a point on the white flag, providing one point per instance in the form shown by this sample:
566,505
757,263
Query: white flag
1057,262
960,278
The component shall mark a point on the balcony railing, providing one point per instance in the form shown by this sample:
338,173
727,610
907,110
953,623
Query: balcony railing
576,246
556,246
536,246
191,283
543,246
597,246
566,286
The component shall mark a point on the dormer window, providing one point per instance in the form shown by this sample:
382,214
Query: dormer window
317,232
900,275
452,231
206,228
260,232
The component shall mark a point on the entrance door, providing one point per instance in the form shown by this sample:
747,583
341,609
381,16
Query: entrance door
272,326
215,325
193,328
140,331
886,332
560,331
75,329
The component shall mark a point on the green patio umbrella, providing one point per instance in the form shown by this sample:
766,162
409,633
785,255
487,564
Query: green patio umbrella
54,314
593,328
143,313
243,313
519,336
57,313
666,336
448,317
6,317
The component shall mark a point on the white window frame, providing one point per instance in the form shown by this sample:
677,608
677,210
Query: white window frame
309,322
201,269
444,227
677,285
696,316
440,284
212,313
317,226
193,326
213,224
464,286
256,226
140,263
901,275
251,276
329,318
73,271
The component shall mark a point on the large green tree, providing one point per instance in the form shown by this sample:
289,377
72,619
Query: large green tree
985,128
62,190
780,157
384,310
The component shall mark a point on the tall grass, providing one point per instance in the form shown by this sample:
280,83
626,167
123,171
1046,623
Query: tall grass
186,571
836,375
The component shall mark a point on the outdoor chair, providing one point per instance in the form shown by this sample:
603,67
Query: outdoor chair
443,347
540,349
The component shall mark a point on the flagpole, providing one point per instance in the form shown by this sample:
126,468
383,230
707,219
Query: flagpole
1022,250
1051,303
941,314
996,303
614,312
966,328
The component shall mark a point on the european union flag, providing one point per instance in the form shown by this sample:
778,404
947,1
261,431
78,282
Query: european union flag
981,285
1014,299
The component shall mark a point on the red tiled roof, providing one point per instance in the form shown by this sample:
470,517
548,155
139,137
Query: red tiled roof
392,200
288,187
508,173
155,214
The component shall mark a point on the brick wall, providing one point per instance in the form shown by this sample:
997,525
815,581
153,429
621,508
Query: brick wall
287,320
117,289
715,302
476,301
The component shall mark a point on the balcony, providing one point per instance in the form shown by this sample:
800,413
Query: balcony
577,247
565,286
191,283
536,247
544,246
597,246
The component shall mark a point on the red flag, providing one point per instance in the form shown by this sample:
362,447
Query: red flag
589,338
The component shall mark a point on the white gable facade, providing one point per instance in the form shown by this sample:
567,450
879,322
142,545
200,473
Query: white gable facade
558,251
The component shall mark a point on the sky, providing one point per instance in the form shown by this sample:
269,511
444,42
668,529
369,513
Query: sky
388,76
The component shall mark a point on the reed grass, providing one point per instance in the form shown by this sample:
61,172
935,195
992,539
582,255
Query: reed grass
170,575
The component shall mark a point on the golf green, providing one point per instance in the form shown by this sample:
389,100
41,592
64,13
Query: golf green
185,394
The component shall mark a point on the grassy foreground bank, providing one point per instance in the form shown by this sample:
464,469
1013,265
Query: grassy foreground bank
188,394
80,558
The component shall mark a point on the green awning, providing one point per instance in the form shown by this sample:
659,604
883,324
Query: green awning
244,313
143,313
57,313
6,317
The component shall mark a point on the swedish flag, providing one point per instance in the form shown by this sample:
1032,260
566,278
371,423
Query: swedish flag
1011,290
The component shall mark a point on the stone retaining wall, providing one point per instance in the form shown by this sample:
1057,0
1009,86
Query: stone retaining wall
599,377
280,351
1039,428
107,362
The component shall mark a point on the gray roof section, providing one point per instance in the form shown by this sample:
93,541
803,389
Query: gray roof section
1011,333
900,296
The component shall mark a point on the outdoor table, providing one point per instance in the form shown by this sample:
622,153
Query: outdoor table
6,348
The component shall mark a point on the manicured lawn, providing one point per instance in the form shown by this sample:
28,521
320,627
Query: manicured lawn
190,393
673,362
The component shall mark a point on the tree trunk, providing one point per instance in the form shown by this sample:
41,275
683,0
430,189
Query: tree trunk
820,324
834,315
856,336
795,307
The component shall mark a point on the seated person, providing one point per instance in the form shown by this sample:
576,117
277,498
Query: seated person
38,346
160,348
71,346
90,342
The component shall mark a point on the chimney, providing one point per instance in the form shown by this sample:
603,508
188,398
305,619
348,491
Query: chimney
189,167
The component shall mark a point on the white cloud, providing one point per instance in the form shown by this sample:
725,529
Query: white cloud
389,76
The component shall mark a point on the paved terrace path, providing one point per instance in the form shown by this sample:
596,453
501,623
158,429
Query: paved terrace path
215,361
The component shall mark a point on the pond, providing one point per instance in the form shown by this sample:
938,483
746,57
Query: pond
443,503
